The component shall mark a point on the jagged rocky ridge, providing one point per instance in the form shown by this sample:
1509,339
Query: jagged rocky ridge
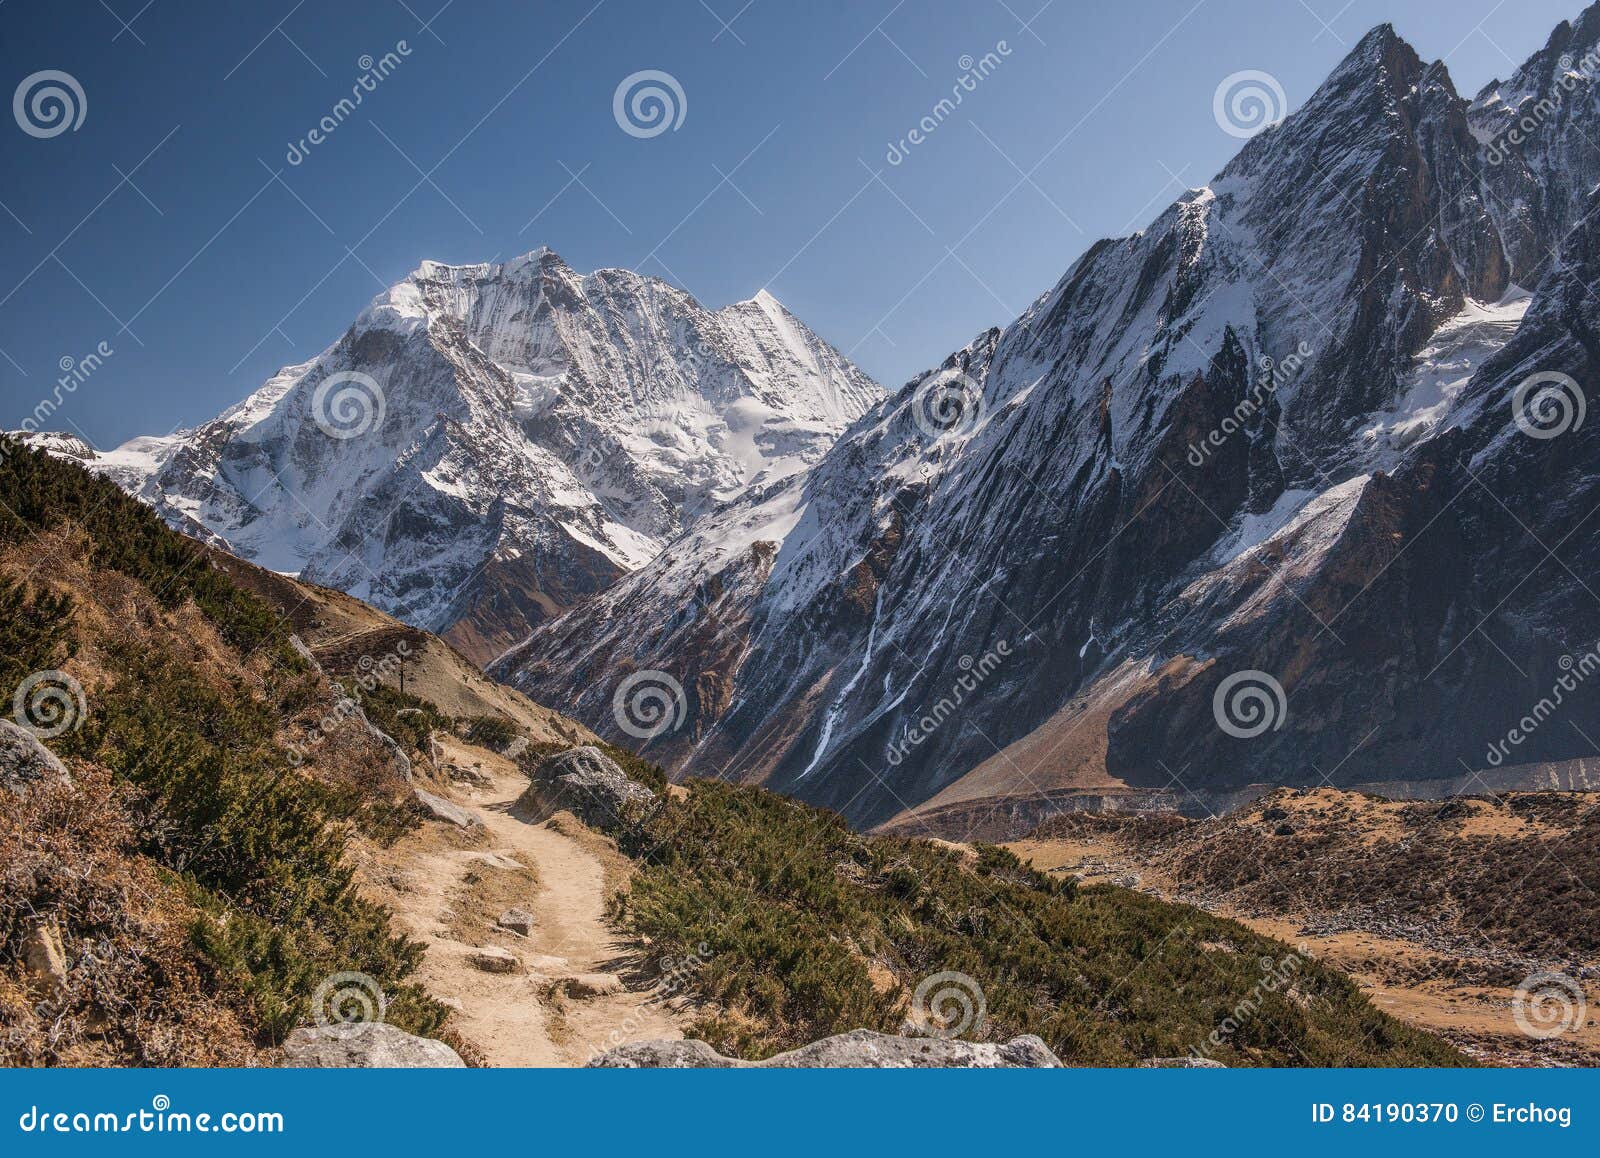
540,434
1073,564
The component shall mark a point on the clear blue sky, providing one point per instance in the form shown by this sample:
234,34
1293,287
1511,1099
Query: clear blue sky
204,272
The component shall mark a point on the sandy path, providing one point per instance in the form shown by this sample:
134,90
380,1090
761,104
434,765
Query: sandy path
506,1014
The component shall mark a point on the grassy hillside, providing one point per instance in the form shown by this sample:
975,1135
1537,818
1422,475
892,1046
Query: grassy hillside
196,875
796,927
345,632
1461,916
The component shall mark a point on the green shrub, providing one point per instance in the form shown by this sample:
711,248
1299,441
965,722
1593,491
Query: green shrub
257,844
795,917
33,633
494,732
261,843
408,719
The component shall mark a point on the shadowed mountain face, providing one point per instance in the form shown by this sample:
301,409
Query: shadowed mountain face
489,444
1254,495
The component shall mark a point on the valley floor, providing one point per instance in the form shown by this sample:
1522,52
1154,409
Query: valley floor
1426,972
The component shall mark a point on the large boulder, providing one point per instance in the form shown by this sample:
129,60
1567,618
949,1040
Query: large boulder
858,1049
398,760
373,1045
587,783
494,959
665,1055
441,809
25,762
518,921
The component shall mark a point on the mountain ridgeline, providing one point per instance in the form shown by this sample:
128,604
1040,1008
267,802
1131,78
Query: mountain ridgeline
1290,433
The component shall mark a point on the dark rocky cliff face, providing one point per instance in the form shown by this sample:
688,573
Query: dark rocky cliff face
1243,440
1539,153
1457,597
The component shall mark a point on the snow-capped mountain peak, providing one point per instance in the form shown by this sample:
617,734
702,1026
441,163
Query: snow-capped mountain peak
489,443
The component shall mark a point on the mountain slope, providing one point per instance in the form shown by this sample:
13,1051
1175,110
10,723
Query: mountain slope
489,444
796,927
177,897
1226,444
228,852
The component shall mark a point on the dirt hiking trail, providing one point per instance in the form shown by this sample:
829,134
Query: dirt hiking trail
449,886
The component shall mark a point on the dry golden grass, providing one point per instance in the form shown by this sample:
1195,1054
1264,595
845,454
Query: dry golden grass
136,991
